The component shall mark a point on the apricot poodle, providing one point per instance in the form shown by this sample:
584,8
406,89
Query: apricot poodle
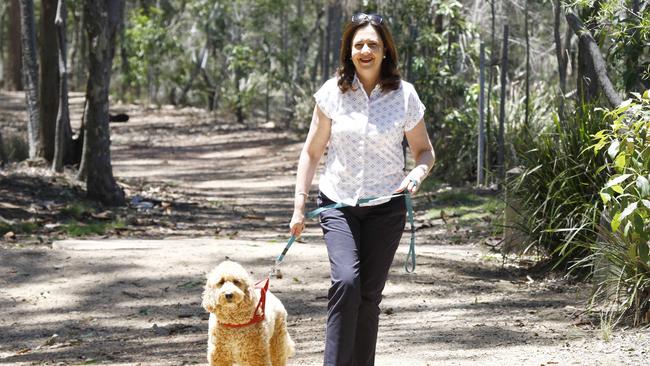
240,332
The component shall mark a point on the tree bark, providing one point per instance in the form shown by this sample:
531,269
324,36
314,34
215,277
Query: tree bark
63,115
49,80
595,65
14,67
502,106
103,18
527,102
561,56
30,78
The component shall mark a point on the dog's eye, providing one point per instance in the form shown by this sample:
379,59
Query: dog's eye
236,283
220,283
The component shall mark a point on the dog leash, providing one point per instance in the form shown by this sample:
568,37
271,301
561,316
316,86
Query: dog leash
409,265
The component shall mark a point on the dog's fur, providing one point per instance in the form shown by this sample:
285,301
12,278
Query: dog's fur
230,298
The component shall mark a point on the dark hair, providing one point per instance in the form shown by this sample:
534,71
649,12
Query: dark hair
389,77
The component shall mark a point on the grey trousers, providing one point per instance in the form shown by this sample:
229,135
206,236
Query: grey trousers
361,243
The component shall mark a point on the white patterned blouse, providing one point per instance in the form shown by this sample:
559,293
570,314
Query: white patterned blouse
364,157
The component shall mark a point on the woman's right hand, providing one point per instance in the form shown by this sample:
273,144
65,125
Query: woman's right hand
297,224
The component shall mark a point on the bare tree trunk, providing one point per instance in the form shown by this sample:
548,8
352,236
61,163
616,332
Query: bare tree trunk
527,102
103,19
30,78
335,37
560,54
594,64
326,41
14,68
49,81
502,106
480,156
63,116
2,152
488,102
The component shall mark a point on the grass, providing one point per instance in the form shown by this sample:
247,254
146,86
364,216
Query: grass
76,228
466,206
77,210
24,227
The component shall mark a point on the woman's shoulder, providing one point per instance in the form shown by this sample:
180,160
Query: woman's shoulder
406,86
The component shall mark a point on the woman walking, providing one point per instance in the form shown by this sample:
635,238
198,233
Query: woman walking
363,114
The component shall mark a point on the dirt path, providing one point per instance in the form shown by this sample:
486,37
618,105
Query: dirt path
124,300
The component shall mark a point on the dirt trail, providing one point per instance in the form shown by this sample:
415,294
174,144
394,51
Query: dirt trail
136,300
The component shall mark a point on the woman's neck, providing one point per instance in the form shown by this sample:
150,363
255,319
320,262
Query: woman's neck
368,83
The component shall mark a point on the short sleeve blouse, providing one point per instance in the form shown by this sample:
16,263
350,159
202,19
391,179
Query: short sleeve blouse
365,156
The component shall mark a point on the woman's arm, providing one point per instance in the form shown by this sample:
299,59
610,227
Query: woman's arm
423,154
312,151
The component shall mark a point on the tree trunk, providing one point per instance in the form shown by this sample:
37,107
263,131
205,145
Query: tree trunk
2,152
103,18
63,116
560,54
30,78
527,83
335,37
594,68
14,67
326,46
502,107
49,81
488,102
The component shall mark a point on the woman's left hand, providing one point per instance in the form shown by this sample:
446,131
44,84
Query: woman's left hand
412,181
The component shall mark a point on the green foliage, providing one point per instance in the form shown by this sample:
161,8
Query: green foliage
21,227
76,228
77,210
626,197
558,189
150,46
445,79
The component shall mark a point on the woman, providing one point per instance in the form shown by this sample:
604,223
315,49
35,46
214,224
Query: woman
363,113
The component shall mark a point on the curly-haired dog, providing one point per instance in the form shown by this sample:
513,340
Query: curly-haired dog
240,332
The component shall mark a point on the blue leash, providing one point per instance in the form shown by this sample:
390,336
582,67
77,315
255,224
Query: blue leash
409,265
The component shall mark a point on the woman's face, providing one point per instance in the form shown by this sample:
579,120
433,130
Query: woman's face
367,52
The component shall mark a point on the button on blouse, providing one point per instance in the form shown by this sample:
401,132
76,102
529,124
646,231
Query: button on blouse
364,157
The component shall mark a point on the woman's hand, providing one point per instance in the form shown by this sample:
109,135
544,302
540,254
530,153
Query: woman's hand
297,224
413,180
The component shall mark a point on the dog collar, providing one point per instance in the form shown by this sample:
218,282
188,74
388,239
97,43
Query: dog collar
258,314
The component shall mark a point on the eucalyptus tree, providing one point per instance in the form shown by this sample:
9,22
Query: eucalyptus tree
102,21
30,77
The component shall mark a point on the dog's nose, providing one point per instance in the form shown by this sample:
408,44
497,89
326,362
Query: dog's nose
228,297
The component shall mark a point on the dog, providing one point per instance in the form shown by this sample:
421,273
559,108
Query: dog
247,326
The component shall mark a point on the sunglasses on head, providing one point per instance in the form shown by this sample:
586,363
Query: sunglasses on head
363,17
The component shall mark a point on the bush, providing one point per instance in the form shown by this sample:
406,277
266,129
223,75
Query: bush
558,191
15,148
623,251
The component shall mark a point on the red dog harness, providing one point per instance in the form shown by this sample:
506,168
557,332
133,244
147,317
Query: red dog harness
258,314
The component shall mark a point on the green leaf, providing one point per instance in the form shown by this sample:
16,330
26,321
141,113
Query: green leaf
617,180
606,197
613,149
616,222
643,185
618,189
646,94
628,210
620,161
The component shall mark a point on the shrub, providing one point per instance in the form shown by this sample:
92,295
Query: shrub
623,251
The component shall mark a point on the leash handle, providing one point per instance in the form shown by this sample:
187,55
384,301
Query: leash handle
409,265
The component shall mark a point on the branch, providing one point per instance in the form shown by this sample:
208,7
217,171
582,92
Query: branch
600,67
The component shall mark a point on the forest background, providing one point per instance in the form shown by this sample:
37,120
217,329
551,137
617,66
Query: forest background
556,89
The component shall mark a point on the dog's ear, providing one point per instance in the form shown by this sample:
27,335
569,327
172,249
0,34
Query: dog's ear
209,301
